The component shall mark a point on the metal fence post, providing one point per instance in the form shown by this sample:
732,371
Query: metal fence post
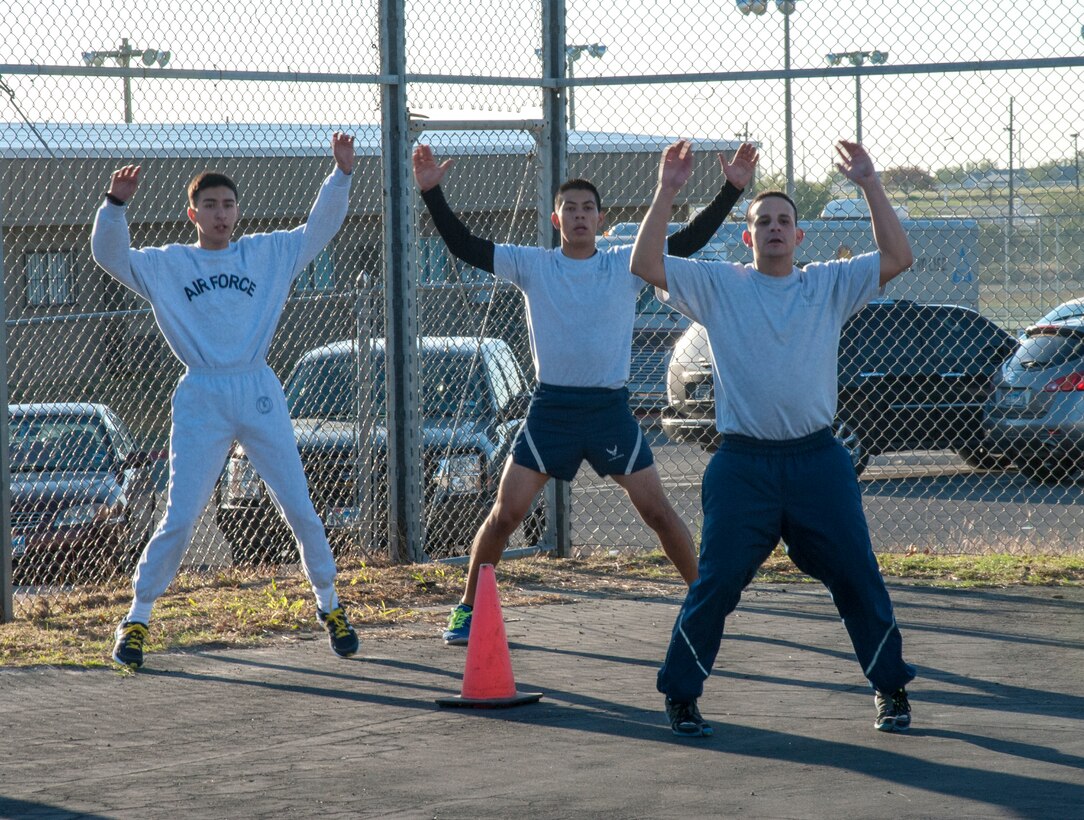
553,162
406,532
7,610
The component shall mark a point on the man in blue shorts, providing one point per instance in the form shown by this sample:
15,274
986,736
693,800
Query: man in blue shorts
779,474
581,305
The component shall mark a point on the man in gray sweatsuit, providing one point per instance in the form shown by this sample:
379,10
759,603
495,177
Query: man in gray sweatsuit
218,303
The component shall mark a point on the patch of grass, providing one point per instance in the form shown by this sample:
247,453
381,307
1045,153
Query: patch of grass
257,607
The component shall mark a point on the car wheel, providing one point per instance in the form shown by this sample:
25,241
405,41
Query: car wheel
849,437
980,457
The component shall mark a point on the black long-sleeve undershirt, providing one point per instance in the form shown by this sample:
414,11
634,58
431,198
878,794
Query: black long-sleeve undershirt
474,250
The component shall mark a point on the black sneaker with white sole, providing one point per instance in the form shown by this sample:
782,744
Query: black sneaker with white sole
685,719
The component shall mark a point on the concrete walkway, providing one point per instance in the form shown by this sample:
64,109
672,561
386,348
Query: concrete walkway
292,731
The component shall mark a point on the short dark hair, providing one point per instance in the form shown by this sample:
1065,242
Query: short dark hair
208,179
576,185
765,195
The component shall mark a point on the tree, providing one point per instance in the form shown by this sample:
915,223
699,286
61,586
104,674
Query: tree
810,197
908,178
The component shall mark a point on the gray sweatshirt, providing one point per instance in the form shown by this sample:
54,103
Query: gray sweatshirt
219,309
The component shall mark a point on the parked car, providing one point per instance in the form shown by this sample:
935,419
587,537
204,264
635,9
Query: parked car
473,399
911,376
1036,413
855,208
1073,309
657,329
82,493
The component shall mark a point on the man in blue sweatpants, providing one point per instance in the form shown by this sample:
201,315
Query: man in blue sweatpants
779,473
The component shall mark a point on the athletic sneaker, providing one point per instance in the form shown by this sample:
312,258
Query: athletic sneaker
893,712
685,719
458,631
342,637
128,649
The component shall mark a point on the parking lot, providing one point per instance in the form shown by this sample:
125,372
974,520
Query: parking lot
923,500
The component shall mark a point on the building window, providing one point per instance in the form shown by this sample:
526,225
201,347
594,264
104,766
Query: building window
318,275
49,278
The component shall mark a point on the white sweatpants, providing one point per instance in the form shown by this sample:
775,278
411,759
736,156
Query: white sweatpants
212,409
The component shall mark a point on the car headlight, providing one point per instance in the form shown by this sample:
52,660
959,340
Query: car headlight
458,474
82,515
242,481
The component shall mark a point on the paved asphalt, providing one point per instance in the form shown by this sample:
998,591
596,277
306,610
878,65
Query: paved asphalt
292,731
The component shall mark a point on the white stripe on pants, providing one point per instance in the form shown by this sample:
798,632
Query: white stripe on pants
210,411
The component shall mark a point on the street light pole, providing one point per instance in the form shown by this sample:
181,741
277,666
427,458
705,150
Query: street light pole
1076,163
572,54
858,58
123,57
786,8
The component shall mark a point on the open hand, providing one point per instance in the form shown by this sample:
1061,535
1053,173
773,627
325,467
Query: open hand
342,148
855,163
676,165
739,173
124,181
426,171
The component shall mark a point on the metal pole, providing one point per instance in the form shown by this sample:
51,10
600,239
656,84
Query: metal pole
1011,170
125,59
553,169
858,108
406,534
1076,163
571,94
788,123
7,608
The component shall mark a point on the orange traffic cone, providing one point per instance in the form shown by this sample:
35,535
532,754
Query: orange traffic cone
487,681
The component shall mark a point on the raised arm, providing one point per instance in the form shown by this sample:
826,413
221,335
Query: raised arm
110,243
472,249
675,167
329,209
699,230
888,233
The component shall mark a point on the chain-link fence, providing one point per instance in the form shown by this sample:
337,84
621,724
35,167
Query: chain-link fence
961,400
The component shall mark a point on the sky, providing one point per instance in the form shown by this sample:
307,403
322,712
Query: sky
921,119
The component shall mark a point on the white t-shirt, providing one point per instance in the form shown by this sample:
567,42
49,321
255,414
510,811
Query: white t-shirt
580,312
774,340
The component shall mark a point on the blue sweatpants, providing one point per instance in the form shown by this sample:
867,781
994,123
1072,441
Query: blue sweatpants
803,491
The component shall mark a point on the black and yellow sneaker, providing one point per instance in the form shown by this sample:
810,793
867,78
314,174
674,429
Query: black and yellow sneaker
893,711
128,649
342,637
685,719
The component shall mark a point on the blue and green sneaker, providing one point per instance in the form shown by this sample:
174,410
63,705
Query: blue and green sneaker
458,630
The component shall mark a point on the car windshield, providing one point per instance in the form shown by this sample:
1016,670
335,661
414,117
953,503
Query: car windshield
58,443
325,387
1045,350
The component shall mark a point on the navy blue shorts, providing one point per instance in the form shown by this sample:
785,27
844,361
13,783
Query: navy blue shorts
566,425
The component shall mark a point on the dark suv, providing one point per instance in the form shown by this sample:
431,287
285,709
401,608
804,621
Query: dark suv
911,377
473,399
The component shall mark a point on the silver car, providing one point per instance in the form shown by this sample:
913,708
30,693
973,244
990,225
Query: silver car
1036,412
